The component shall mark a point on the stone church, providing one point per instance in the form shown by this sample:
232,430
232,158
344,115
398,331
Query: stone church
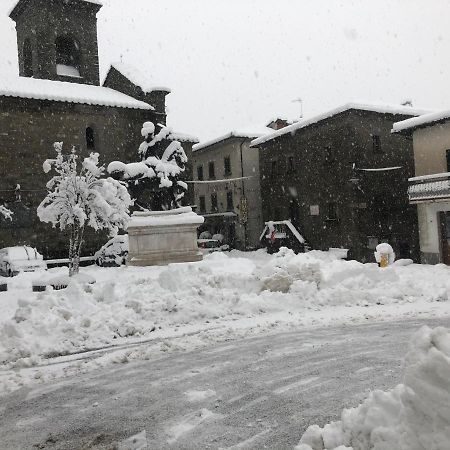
58,97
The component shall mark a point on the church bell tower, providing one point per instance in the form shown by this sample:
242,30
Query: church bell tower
57,39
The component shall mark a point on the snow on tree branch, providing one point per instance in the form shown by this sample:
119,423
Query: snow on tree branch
78,196
162,163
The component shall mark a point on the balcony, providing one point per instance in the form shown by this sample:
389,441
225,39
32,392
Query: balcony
429,188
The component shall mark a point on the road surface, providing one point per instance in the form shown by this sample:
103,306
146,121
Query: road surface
251,394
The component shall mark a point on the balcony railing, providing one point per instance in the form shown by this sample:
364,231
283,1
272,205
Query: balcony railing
429,188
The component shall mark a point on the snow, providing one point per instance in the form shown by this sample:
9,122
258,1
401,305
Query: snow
430,177
79,196
62,91
380,169
430,190
221,297
136,442
182,216
383,109
138,78
67,71
384,249
183,137
422,121
165,167
415,415
244,132
225,180
5,212
131,170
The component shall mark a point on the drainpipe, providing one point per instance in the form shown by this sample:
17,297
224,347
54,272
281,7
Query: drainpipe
243,189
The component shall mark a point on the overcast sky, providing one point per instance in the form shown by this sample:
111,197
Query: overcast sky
235,63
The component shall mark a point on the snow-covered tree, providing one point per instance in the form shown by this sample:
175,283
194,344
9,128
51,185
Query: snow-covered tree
78,196
5,212
155,181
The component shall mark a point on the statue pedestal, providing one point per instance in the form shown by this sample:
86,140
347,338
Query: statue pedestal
159,238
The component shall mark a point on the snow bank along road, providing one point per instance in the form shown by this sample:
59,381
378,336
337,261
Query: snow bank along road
254,393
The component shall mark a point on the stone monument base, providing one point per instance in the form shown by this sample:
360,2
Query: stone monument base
159,238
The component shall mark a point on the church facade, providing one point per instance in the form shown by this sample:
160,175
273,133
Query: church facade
58,97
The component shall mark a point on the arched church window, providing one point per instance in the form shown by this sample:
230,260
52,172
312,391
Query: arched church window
68,57
27,58
90,138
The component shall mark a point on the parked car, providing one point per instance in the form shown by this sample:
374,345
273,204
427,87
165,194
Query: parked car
211,245
20,259
114,253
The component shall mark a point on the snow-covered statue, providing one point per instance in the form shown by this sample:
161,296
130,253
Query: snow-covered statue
155,181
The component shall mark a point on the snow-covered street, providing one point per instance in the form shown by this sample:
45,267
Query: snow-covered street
254,393
144,313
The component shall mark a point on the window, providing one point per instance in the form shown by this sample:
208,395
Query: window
27,59
290,164
211,171
332,211
273,167
202,204
68,57
214,202
227,166
376,143
230,205
200,173
447,154
90,138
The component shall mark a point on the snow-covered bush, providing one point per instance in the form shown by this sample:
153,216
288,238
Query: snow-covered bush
155,181
5,212
413,416
79,197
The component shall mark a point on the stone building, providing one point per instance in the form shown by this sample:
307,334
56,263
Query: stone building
58,97
227,188
342,179
429,189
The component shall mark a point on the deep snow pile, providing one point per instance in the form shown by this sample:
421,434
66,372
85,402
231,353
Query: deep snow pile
224,289
413,416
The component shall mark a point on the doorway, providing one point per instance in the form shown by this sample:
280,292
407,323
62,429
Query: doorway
444,225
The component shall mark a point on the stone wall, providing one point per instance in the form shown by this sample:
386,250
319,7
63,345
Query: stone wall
28,129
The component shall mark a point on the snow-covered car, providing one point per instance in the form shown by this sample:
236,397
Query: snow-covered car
211,245
20,259
114,253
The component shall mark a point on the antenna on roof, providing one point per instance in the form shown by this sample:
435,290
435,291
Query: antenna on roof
299,100
407,102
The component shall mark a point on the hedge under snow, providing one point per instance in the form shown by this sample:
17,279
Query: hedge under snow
414,415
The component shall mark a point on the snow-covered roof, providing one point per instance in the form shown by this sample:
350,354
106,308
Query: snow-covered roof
383,109
425,120
12,10
138,78
61,91
243,133
182,137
